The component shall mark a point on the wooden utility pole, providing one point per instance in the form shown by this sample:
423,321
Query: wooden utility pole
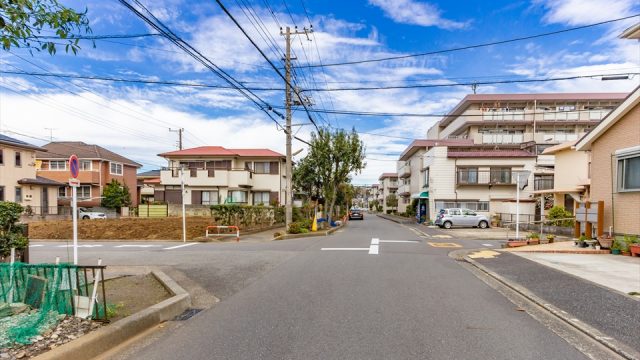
179,131
288,102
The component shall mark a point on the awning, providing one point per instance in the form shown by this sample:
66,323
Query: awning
422,195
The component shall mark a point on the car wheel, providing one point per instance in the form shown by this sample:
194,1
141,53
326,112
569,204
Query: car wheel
483,224
86,217
447,224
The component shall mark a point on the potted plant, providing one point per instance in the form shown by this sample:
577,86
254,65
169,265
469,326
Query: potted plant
605,241
534,238
551,238
582,241
615,248
634,246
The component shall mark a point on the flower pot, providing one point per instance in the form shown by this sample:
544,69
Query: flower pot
635,249
615,251
626,253
605,242
516,243
598,247
534,241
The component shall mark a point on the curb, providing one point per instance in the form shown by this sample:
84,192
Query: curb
612,344
203,239
110,336
310,234
396,219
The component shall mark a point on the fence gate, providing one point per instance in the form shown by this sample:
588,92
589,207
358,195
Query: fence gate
149,210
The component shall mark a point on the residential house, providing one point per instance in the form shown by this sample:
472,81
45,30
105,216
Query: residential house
216,175
388,186
19,181
570,181
614,146
478,179
98,167
147,182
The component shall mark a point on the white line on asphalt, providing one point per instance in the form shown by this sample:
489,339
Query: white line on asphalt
80,246
375,241
332,249
399,241
373,249
179,246
38,245
487,244
142,246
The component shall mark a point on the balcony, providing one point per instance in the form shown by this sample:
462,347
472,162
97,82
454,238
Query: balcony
470,176
496,138
404,171
207,177
404,190
503,116
393,185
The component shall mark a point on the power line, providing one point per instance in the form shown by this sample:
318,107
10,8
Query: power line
95,37
469,47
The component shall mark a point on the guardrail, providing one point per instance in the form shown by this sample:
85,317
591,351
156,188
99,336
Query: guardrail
237,233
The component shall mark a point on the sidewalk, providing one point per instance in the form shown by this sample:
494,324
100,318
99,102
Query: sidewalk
609,312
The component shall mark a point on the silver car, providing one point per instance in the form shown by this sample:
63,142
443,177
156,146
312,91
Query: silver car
461,217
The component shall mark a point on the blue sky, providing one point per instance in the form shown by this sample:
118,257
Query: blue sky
134,119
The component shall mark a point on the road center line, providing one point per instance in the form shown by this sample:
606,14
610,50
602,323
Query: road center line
335,249
373,249
399,241
487,244
179,246
141,246
36,245
375,241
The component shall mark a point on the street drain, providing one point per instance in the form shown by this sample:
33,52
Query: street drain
187,314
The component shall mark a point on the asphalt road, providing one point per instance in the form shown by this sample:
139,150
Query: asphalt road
293,300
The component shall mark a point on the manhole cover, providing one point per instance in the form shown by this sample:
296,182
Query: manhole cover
187,314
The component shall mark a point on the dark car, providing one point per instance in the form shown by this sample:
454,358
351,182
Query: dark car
356,213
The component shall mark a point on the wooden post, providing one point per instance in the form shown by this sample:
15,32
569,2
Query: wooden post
576,225
600,225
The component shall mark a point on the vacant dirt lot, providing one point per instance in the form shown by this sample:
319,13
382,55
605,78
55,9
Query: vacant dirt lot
169,228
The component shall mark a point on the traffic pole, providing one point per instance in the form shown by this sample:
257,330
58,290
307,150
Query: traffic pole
74,205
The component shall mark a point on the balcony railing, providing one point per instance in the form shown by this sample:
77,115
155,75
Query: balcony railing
404,171
543,183
485,177
502,138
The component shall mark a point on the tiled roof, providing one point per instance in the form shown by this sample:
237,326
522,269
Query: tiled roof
39,180
18,143
388,175
64,149
490,154
221,151
150,173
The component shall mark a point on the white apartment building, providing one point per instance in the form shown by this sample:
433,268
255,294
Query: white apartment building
215,175
388,186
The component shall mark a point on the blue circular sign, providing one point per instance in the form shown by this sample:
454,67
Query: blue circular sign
74,166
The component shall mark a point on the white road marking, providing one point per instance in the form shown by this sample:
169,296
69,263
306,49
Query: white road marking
375,241
141,246
35,245
179,246
332,249
373,250
442,236
399,241
80,246
487,244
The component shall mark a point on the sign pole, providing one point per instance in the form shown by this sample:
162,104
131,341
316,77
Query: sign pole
184,219
518,207
74,204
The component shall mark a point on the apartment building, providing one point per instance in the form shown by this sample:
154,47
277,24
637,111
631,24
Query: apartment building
614,147
215,175
477,179
98,166
19,181
388,186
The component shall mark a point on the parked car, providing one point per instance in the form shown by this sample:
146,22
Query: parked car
356,213
86,214
448,218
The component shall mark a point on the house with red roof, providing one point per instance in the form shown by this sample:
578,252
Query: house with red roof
215,175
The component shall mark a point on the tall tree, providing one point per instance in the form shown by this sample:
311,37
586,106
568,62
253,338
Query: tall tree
392,201
333,157
115,195
22,22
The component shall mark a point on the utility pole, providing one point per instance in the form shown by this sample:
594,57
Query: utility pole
179,131
288,102
50,133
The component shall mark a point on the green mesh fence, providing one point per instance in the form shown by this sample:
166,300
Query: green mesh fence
47,289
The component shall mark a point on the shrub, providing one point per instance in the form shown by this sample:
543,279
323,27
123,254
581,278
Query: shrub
534,235
11,233
300,227
558,212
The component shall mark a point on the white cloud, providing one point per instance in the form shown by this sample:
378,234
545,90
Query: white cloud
583,12
416,13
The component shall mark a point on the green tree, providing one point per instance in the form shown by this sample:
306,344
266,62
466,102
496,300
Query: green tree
23,21
333,157
115,195
10,231
392,201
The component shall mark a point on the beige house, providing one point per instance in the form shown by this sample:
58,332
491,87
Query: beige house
571,179
388,186
215,175
615,164
19,182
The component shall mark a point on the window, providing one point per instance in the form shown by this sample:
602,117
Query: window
18,194
500,175
57,165
261,197
1,157
209,198
1,193
629,169
468,176
84,191
261,168
62,192
18,159
238,196
115,168
426,178
85,165
472,205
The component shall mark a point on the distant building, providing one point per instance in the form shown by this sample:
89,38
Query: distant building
98,166
19,181
147,183
388,186
215,175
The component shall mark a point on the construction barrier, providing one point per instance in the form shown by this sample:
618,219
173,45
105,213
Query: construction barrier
237,231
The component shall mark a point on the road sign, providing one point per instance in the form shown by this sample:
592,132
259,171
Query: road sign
74,166
74,182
